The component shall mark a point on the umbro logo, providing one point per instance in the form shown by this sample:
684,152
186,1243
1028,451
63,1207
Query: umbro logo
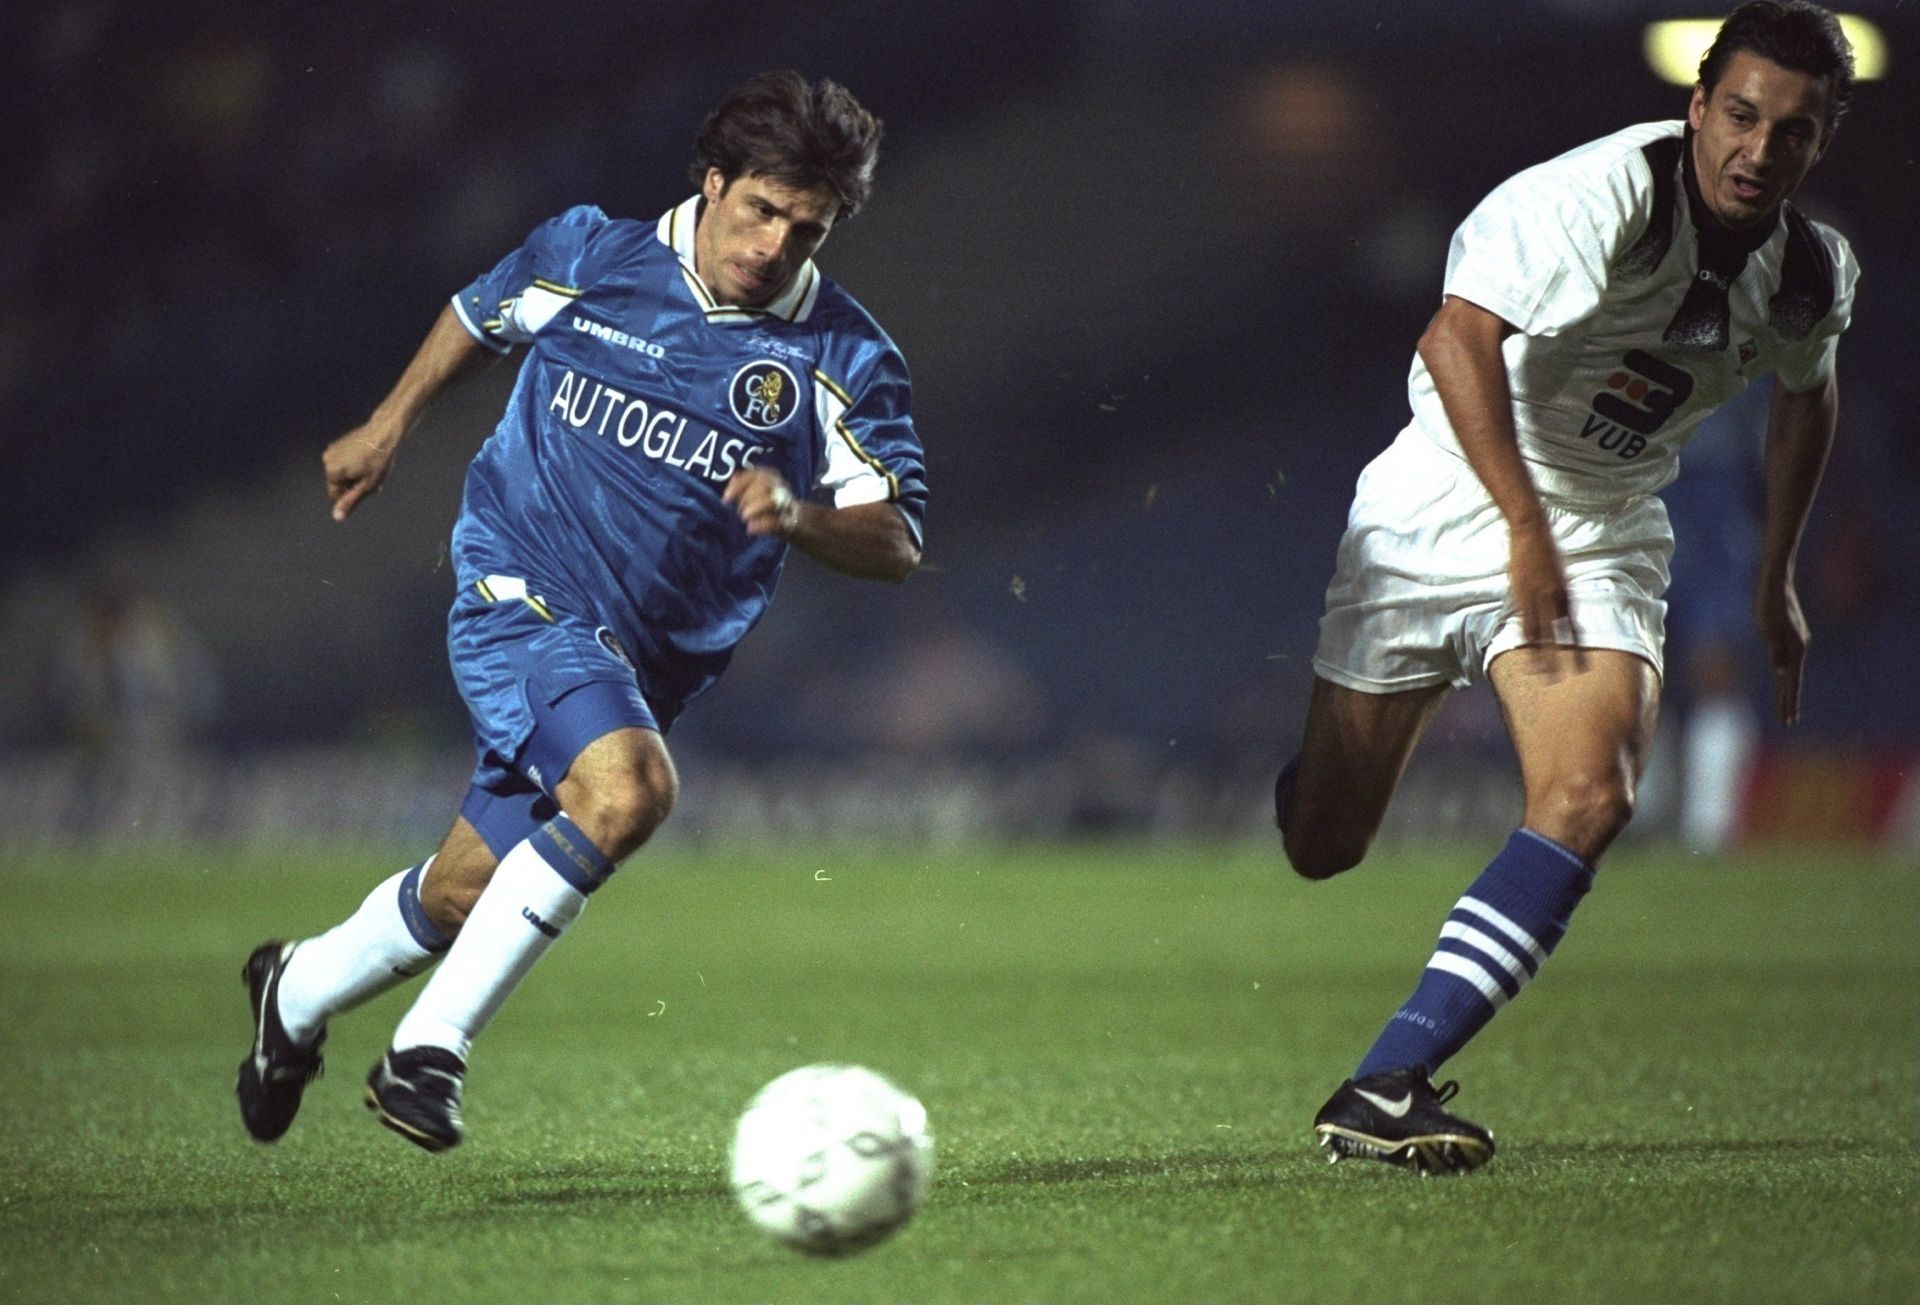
619,339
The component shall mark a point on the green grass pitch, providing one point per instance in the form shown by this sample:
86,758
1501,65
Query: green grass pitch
1709,1094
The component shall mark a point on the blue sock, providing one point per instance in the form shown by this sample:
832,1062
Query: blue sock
1494,941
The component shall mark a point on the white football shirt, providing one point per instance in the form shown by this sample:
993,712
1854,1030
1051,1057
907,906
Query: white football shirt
1601,404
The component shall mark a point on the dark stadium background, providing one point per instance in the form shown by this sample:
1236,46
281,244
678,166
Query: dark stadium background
1158,270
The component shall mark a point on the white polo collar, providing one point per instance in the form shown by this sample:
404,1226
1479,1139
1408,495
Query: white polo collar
793,304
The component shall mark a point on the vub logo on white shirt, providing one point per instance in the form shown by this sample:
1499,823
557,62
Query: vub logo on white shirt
1637,402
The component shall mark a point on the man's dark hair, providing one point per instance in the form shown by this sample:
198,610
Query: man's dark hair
1793,34
800,134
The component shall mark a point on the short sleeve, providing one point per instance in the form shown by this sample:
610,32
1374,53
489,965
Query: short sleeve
527,288
873,453
1537,250
1808,364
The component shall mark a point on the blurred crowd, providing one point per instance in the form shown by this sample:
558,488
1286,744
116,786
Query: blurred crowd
1159,281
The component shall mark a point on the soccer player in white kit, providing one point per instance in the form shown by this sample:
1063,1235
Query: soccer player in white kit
1597,307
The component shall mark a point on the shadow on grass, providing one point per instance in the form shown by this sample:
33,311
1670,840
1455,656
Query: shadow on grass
1198,1169
1276,1169
588,1185
372,1204
1697,1150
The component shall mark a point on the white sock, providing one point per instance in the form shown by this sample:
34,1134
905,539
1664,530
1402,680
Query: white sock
389,939
523,912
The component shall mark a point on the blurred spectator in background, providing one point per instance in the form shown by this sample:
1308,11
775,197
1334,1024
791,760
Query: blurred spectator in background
945,690
134,696
134,685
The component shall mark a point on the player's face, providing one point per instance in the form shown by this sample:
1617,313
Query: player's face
1756,136
755,233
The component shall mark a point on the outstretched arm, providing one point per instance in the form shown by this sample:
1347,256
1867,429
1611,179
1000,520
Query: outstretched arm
358,461
1799,436
1461,348
870,541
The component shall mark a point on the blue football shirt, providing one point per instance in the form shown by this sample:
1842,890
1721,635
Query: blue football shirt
638,398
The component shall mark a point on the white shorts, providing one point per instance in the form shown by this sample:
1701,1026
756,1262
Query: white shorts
1419,595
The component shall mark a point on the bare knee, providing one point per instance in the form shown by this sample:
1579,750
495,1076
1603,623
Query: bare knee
1583,813
619,812
1352,755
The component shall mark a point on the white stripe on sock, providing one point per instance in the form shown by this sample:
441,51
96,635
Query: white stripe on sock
1501,922
1475,974
1482,942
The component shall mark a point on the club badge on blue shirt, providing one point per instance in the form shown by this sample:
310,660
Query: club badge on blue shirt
763,394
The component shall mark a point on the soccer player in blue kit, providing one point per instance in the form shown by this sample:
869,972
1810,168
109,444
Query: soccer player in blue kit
695,398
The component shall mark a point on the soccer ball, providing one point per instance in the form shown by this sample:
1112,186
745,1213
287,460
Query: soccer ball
831,1159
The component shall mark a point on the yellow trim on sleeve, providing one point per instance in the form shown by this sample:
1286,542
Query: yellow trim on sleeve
846,433
485,592
571,292
893,481
834,386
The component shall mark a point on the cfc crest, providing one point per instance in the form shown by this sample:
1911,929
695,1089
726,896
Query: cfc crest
763,394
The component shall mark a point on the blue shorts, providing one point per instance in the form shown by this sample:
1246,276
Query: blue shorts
540,686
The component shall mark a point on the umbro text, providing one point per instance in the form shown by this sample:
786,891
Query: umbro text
620,338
